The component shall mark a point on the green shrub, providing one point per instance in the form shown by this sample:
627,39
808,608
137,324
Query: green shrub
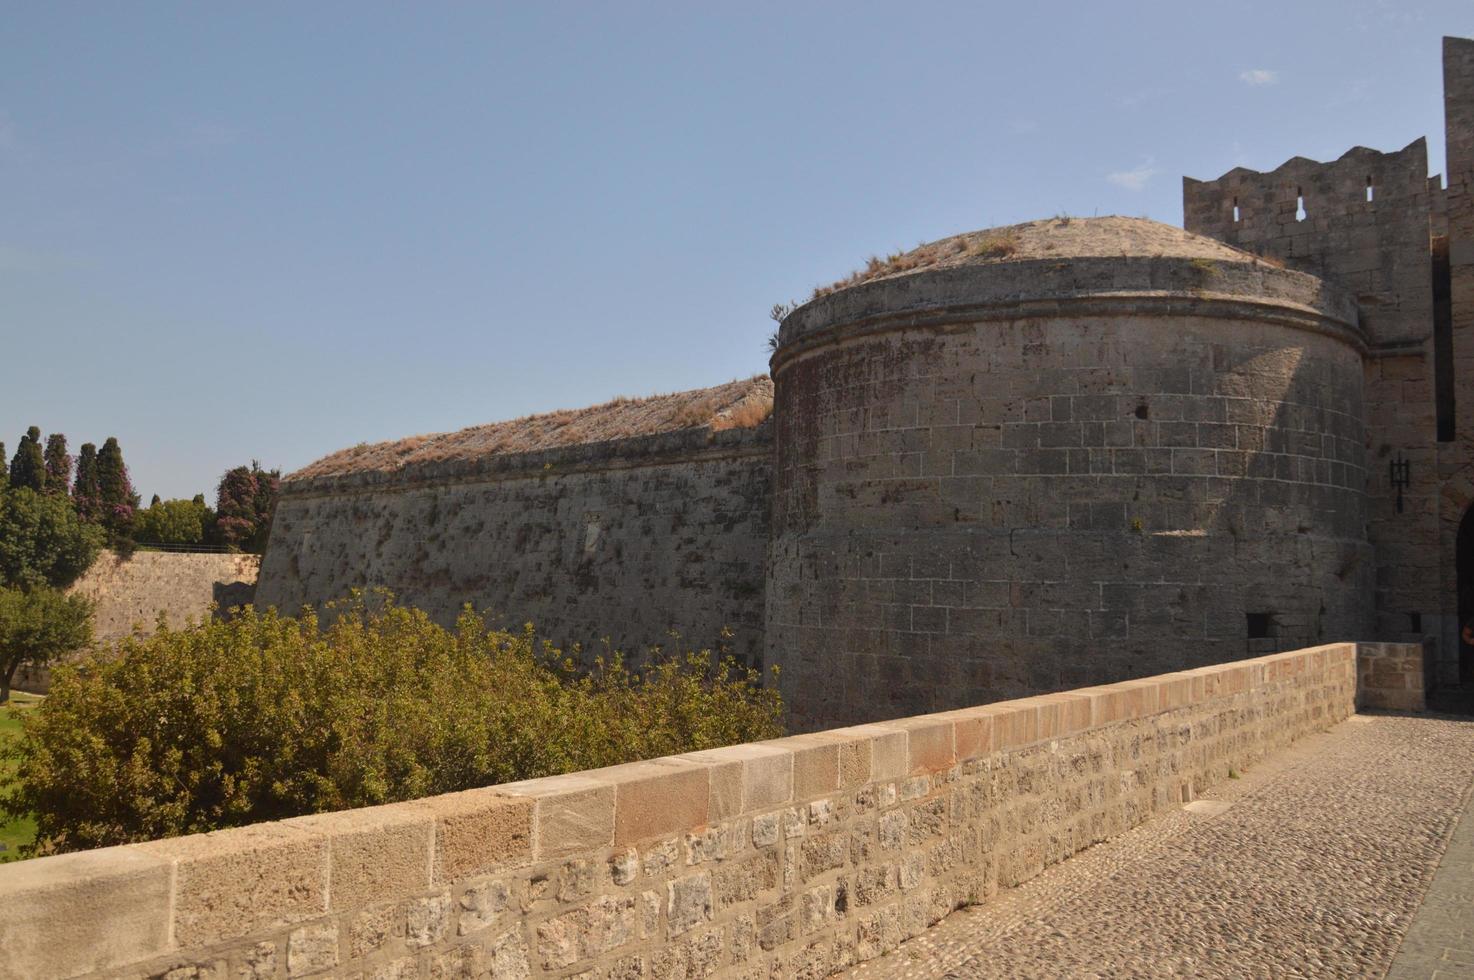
172,522
268,716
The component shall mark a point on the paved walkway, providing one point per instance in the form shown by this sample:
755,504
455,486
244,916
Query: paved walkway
1313,864
1440,942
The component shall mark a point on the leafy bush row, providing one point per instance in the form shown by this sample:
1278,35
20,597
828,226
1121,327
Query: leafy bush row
270,716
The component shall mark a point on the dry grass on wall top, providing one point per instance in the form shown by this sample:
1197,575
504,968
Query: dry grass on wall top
1059,237
734,405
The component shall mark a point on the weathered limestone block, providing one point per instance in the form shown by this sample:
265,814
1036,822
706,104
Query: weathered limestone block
238,881
312,948
689,902
586,932
371,928
481,905
111,905
427,920
372,851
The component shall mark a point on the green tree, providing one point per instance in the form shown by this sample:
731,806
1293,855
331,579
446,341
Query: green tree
28,465
43,541
244,505
265,717
87,491
115,490
58,464
38,625
4,472
172,522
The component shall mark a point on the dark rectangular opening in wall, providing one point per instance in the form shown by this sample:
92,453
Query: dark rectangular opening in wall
1415,622
1260,625
1443,342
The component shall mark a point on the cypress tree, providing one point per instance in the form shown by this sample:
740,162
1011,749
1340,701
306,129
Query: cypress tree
4,473
28,466
115,490
58,464
86,492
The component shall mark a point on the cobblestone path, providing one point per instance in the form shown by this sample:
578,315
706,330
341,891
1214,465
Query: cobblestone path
1440,943
1311,865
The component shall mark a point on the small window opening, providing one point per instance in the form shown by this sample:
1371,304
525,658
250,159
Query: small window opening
1143,412
1371,194
1260,624
1299,204
1415,622
1235,210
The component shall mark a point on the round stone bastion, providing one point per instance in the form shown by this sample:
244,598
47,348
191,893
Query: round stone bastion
1057,454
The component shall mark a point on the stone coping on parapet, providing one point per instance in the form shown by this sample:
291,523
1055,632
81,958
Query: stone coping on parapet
1123,286
190,896
680,446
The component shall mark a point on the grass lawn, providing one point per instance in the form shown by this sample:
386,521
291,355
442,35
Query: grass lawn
14,833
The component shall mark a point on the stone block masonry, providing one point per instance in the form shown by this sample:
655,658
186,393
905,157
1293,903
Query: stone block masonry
627,541
1392,676
134,591
1140,453
1363,222
792,857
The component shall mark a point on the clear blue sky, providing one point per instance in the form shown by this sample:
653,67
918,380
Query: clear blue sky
271,231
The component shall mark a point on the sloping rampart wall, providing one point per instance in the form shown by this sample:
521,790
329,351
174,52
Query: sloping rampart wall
629,540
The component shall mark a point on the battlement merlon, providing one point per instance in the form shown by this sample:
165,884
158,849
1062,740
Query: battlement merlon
1326,191
1362,221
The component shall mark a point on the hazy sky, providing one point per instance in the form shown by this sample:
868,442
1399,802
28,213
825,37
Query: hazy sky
271,231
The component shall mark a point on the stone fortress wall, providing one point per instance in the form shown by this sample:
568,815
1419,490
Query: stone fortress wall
1363,221
1097,460
1008,462
1456,456
1378,225
134,591
627,540
792,857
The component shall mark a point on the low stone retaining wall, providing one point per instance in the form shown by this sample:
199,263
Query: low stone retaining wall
788,858
131,592
1391,676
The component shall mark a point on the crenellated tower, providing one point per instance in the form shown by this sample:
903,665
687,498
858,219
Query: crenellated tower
1378,226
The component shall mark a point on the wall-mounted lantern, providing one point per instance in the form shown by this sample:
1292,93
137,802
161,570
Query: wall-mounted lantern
1398,473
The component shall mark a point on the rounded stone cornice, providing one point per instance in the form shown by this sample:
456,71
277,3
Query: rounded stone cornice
1120,286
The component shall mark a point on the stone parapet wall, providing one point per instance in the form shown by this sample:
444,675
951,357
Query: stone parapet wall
791,857
1392,676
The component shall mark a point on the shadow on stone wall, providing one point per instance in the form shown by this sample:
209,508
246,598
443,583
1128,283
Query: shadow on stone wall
230,597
